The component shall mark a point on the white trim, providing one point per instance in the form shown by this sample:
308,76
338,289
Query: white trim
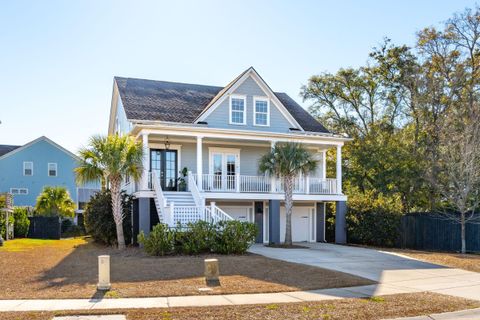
264,99
24,163
251,72
18,193
242,135
48,169
238,97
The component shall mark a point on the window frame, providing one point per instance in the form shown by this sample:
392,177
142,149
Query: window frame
239,97
18,193
27,175
263,99
56,169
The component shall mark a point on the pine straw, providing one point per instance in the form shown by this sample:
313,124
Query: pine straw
68,269
400,305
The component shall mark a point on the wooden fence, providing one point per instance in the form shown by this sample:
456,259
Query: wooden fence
426,231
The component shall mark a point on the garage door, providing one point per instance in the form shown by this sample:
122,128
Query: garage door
238,213
300,224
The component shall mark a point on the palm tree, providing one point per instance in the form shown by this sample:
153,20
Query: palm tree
111,159
286,161
55,201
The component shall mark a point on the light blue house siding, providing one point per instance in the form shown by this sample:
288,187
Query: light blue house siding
219,118
40,153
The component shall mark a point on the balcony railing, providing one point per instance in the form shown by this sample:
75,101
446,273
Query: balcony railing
263,184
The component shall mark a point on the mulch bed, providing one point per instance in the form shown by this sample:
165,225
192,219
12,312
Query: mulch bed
68,269
401,305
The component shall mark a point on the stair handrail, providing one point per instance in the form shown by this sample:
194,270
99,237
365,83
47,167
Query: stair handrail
192,186
157,188
218,214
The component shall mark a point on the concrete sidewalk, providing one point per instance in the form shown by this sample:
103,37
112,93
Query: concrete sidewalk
197,301
473,314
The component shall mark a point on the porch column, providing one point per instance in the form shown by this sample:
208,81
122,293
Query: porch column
340,222
339,170
199,163
274,221
145,162
324,164
273,187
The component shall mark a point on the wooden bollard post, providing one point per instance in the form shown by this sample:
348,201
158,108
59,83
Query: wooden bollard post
212,272
103,273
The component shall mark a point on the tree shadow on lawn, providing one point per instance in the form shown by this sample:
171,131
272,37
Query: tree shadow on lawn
133,273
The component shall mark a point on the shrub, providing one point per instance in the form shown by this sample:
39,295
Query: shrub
234,237
98,218
21,222
226,237
374,219
196,238
3,225
71,230
160,241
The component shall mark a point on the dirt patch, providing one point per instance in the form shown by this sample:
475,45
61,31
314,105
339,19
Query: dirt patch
68,269
401,305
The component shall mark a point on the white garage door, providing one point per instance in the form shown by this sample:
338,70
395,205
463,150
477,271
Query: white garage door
238,213
300,224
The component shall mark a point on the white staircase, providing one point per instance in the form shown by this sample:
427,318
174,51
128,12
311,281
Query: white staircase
180,199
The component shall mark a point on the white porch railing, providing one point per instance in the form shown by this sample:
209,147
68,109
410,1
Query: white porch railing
160,200
184,215
193,188
262,184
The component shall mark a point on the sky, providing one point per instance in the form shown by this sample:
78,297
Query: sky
58,58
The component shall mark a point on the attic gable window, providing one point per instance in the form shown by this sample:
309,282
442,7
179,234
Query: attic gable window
261,116
52,169
237,110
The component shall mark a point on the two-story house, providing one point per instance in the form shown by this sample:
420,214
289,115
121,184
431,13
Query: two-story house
218,134
25,170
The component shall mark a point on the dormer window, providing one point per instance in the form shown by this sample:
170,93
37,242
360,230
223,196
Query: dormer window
261,112
237,110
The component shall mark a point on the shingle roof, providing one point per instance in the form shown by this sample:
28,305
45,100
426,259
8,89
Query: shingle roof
181,102
5,148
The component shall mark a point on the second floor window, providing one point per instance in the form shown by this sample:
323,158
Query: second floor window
28,168
237,110
22,191
52,169
261,113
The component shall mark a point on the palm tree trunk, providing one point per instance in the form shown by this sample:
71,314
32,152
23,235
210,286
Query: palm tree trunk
117,211
288,182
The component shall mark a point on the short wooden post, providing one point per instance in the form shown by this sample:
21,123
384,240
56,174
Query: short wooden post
103,273
212,272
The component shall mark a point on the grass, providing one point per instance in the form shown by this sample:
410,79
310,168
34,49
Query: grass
67,268
400,305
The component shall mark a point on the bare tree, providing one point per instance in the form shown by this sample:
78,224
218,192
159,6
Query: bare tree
459,182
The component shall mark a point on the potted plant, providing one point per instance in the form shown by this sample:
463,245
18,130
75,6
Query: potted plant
182,179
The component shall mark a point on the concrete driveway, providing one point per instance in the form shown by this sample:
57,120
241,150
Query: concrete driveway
394,273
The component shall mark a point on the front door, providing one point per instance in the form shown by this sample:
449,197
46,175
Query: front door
224,166
164,164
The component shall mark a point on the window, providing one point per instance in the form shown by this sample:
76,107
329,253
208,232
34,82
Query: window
52,169
28,168
21,191
261,116
237,110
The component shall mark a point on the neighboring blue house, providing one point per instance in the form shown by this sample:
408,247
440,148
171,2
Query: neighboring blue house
25,170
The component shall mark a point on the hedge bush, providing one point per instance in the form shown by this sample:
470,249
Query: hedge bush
21,222
374,219
98,218
226,237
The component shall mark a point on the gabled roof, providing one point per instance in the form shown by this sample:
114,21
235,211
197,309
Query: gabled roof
42,138
5,148
152,100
